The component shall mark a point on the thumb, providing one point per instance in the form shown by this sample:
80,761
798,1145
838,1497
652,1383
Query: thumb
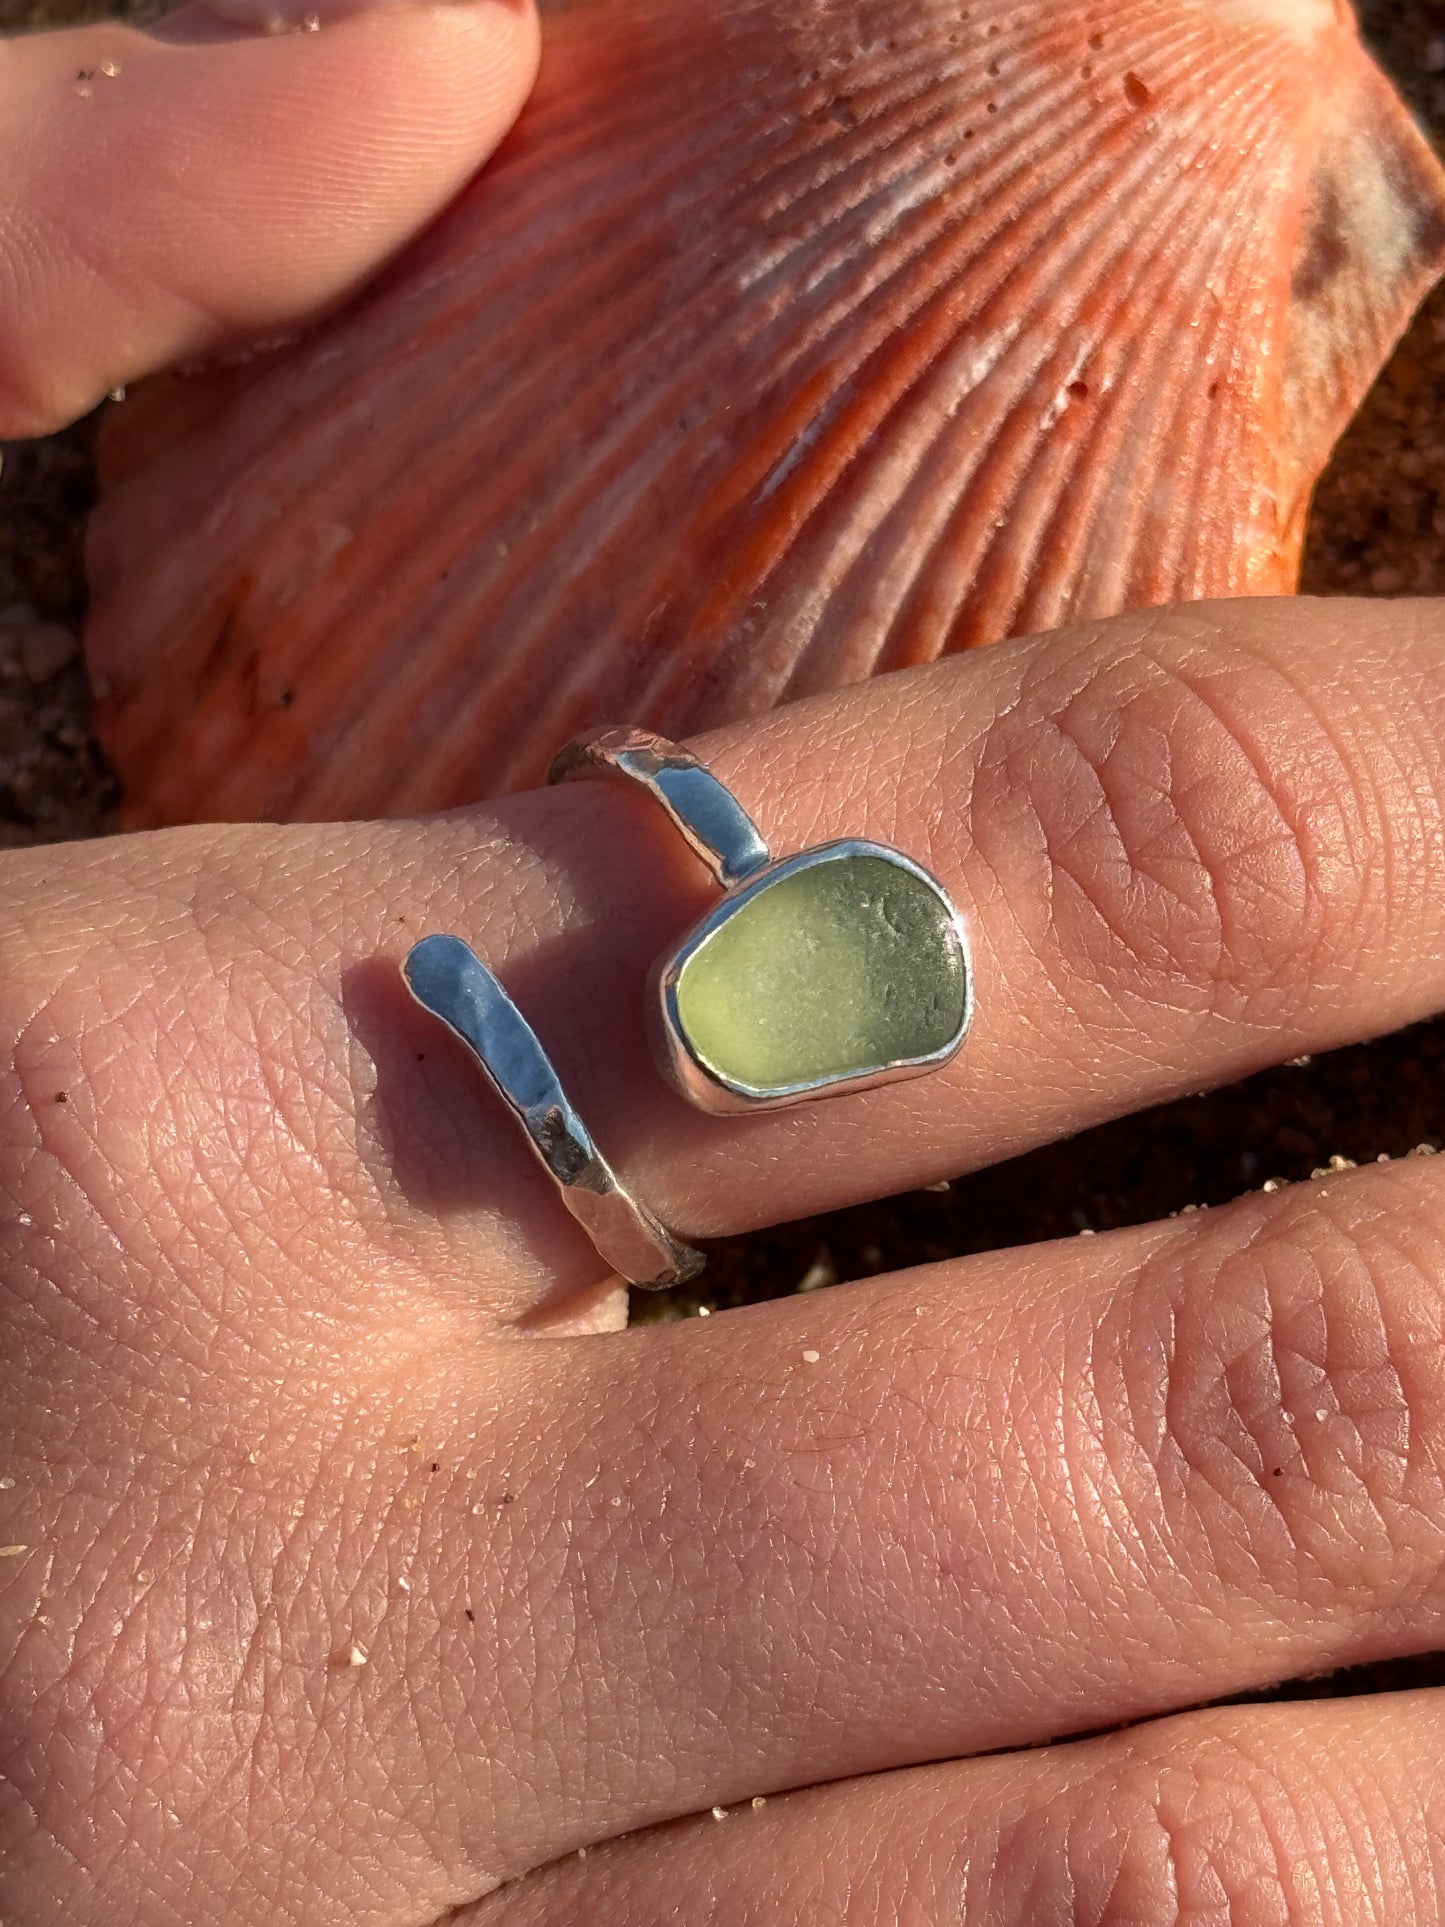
226,174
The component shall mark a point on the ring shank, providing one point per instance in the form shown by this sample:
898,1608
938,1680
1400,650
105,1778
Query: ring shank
450,981
709,816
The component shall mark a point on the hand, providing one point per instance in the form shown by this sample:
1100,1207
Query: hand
351,1573
361,1575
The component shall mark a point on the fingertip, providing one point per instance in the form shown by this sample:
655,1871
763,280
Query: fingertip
174,192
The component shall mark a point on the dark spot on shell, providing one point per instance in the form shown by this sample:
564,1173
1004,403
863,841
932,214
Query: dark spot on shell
1325,251
1078,391
1430,227
1135,91
1096,41
230,651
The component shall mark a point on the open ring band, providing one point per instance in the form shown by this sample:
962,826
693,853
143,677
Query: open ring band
710,817
833,970
837,969
448,979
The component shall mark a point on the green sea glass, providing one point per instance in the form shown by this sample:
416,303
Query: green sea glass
836,970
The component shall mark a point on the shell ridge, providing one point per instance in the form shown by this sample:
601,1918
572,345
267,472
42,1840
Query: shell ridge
1005,397
183,506
576,477
562,689
559,690
1106,580
924,519
1130,441
782,357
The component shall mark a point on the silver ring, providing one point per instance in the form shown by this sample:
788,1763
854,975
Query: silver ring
838,969
448,979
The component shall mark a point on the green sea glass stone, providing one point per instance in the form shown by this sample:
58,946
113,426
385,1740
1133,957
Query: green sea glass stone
835,970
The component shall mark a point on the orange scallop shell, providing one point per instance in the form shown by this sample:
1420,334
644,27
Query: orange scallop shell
786,341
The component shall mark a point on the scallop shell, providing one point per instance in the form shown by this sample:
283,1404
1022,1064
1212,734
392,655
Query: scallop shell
785,342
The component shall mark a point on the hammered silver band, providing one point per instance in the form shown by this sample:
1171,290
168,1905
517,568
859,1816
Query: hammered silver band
449,980
711,819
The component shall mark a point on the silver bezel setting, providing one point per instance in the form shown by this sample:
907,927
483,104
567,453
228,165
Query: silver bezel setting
709,1089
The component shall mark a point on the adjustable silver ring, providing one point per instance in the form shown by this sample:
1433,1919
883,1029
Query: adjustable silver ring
835,970
448,979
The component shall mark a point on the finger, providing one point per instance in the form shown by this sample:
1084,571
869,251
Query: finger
1319,1815
421,1623
1187,843
962,1509
170,192
1184,842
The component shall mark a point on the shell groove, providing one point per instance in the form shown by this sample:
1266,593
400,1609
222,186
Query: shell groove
784,342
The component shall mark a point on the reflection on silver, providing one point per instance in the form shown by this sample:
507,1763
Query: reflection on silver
447,978
715,824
